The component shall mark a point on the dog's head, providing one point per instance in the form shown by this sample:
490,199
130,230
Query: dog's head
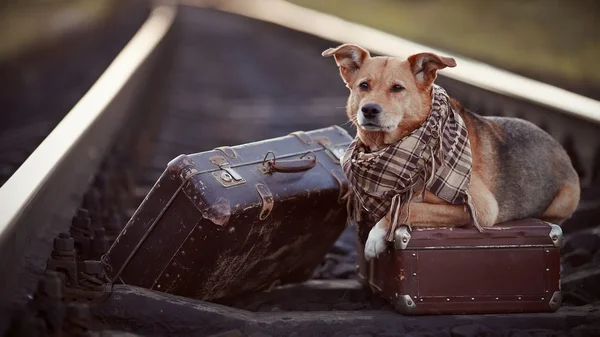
389,97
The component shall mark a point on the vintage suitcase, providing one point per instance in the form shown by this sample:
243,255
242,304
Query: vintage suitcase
237,219
514,267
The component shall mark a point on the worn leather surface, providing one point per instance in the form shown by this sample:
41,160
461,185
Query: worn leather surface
203,236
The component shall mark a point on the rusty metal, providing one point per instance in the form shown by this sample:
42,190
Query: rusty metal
92,282
81,231
100,244
190,234
514,267
84,280
62,259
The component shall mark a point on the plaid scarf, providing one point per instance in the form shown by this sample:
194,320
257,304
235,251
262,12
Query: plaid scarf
436,156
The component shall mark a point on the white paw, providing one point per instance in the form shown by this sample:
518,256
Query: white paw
375,242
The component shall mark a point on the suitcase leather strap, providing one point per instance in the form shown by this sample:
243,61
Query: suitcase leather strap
303,136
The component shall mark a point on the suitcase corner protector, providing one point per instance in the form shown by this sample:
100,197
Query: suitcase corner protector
401,237
556,234
404,304
555,300
179,163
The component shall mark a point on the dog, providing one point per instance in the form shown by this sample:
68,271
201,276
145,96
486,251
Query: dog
518,170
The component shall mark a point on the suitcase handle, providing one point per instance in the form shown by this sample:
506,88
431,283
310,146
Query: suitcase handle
304,163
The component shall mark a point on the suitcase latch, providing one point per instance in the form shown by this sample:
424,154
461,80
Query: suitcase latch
227,177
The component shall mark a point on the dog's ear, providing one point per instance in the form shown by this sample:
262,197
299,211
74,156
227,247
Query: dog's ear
349,58
425,66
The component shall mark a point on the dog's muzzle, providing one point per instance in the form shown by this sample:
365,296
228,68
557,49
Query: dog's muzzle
368,118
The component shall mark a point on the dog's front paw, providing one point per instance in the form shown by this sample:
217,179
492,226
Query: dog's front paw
375,242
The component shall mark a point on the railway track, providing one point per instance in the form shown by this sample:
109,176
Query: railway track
195,78
38,87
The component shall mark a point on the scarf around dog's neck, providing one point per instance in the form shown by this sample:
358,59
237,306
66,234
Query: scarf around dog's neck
436,156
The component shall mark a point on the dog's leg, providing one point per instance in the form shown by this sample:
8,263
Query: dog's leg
440,214
563,205
486,205
437,215
435,212
376,244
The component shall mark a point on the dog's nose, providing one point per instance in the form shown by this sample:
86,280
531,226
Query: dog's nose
371,110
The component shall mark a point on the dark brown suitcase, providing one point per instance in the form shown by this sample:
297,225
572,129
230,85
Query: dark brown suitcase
237,219
512,267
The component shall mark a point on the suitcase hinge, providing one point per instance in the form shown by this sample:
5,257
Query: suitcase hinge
267,200
227,177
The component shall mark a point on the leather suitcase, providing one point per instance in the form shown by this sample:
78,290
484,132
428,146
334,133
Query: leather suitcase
237,219
512,267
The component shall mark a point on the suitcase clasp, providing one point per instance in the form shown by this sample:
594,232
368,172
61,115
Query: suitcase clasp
227,177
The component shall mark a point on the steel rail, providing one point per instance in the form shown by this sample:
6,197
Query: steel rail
468,71
43,193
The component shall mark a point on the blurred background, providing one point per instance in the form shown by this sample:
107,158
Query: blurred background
553,41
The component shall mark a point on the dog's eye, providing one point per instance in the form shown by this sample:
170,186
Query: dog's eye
397,88
364,86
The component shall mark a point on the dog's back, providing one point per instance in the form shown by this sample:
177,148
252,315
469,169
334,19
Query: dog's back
543,166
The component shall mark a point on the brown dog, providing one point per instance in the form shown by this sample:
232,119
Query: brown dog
518,170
